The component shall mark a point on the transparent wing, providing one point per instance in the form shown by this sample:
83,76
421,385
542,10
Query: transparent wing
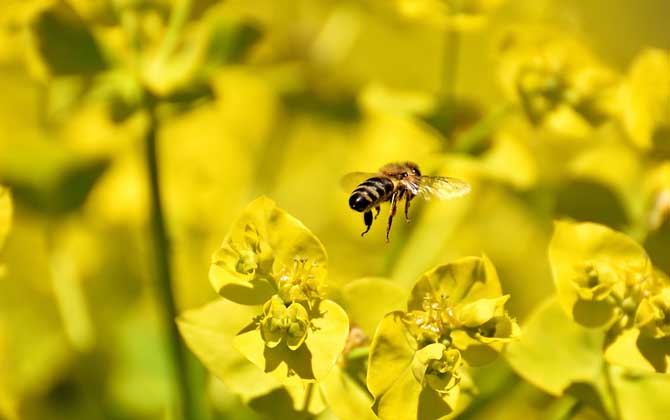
441,187
351,180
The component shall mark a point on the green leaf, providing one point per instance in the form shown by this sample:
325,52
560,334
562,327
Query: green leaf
646,97
65,43
462,281
580,198
398,394
311,361
561,357
200,7
390,353
408,400
345,397
589,262
48,179
639,352
477,313
209,332
264,245
641,397
230,41
554,352
367,300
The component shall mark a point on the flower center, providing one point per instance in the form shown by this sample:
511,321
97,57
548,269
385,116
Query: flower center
247,262
299,283
434,322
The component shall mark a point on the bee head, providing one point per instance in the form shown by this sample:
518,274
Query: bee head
413,169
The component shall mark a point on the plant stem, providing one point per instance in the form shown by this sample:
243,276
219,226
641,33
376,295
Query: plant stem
607,374
308,397
564,408
178,17
479,133
450,66
452,52
447,97
187,407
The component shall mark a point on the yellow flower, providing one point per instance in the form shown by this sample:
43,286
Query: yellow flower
280,322
557,81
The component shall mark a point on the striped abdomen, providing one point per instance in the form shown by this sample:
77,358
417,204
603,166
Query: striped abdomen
371,193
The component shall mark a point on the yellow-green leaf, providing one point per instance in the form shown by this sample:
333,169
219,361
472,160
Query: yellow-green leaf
641,397
639,352
553,352
646,97
209,331
476,313
345,397
408,400
367,300
562,357
462,281
390,354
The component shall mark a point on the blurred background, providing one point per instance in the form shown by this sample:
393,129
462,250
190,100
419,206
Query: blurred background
548,108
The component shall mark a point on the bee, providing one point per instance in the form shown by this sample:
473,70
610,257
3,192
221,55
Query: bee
394,182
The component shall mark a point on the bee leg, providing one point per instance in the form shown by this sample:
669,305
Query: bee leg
394,202
407,201
367,218
378,209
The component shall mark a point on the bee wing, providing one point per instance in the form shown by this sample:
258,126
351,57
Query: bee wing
351,180
441,187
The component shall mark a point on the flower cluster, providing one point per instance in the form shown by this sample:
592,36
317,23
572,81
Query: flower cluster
606,280
269,258
455,318
556,80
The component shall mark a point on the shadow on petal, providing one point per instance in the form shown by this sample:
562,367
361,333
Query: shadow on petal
431,405
257,292
592,313
298,361
278,404
656,351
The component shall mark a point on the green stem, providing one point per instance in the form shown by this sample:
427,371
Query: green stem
71,303
447,95
607,374
131,26
475,136
450,66
452,52
564,408
308,397
178,17
485,399
187,407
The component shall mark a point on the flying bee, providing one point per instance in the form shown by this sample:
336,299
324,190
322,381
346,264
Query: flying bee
394,182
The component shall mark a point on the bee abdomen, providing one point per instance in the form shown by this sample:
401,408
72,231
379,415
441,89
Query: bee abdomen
370,193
